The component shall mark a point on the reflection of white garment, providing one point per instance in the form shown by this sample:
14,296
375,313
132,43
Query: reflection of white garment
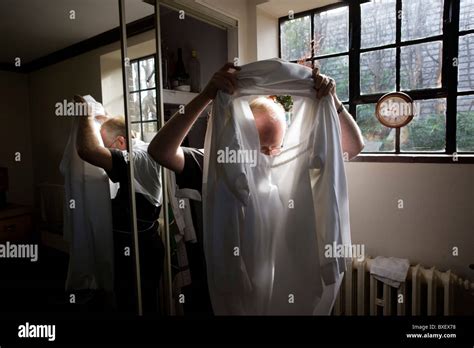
183,233
266,227
87,220
147,173
181,208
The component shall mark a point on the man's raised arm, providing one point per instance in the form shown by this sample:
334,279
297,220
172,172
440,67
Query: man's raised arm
165,148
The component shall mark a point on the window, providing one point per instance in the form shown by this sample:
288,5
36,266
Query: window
296,33
421,47
142,98
465,96
322,37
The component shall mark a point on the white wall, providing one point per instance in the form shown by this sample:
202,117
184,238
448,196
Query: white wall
15,137
437,216
267,35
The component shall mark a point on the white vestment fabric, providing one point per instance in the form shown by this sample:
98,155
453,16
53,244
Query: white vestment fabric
268,227
87,220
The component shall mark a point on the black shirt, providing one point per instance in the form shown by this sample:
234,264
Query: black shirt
147,213
191,176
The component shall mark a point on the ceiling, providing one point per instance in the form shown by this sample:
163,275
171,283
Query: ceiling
31,29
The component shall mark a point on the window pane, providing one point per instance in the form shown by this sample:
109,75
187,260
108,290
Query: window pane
427,130
296,38
377,137
147,76
465,123
149,131
421,18
148,105
133,77
134,107
136,130
378,23
466,63
421,66
466,18
338,69
331,31
377,71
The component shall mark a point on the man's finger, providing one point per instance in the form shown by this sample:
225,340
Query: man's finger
224,84
226,78
322,86
316,71
228,66
231,77
328,87
318,80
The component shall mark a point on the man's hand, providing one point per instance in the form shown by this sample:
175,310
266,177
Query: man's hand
224,79
100,118
325,85
79,99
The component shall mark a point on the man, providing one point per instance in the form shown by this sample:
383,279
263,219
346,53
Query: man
187,163
166,148
271,124
112,157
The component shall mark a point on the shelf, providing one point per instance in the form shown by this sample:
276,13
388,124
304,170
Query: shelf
177,97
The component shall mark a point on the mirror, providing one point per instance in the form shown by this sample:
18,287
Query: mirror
139,54
62,210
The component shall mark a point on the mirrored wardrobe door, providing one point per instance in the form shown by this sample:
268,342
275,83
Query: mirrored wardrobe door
98,140
73,165
143,120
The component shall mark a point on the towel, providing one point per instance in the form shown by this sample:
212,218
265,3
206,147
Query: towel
390,270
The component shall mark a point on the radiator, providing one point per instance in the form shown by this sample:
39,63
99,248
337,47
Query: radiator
427,291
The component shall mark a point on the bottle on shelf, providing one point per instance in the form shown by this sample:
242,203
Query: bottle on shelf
165,67
180,77
195,72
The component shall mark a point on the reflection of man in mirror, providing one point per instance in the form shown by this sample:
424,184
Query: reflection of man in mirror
113,158
149,106
149,101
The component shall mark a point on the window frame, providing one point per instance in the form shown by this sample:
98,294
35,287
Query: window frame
141,122
449,75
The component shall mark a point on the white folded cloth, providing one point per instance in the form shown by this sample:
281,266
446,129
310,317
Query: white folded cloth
390,270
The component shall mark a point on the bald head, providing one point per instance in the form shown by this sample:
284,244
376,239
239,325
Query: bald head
113,133
270,122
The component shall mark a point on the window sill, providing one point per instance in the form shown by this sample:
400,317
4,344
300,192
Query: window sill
414,158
